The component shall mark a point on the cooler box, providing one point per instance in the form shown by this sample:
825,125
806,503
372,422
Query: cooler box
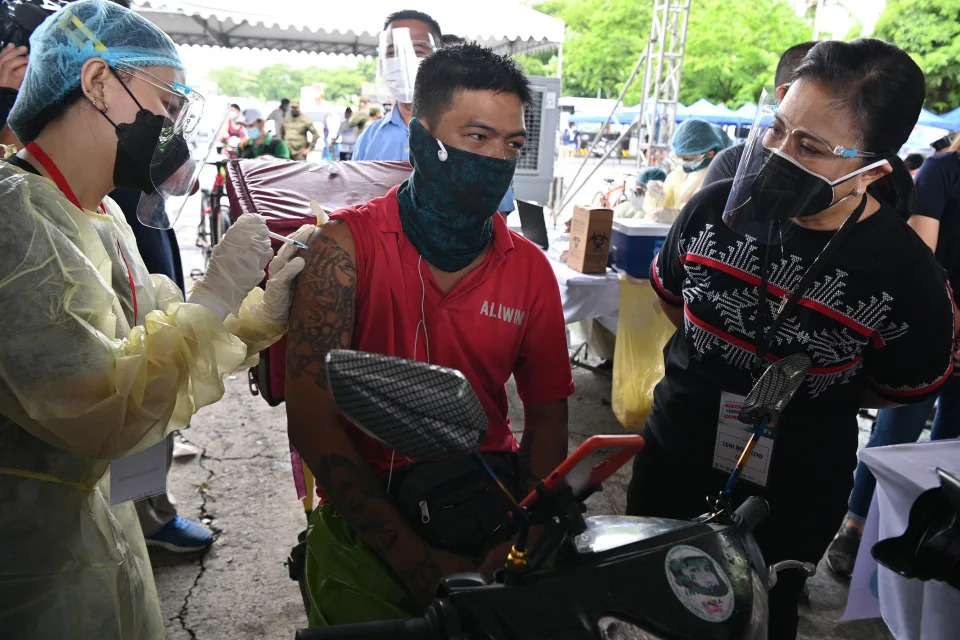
635,243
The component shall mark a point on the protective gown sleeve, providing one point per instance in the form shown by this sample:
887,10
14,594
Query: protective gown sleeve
72,371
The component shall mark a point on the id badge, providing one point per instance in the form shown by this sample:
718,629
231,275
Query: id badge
139,476
732,437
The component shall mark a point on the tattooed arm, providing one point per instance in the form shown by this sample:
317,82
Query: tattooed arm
544,443
321,319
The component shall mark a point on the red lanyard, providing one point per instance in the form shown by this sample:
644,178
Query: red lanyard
34,150
50,166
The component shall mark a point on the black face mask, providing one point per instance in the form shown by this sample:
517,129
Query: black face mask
785,189
141,161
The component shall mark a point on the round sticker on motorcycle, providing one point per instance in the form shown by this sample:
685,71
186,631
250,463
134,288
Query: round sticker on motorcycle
699,583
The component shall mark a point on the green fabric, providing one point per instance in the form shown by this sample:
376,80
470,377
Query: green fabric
346,580
279,150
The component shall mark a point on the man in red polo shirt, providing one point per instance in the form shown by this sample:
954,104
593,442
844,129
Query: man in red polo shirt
428,272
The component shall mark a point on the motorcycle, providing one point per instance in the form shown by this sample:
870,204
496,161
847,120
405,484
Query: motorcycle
602,577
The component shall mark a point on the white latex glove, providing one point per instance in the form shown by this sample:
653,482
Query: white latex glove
236,266
274,309
655,190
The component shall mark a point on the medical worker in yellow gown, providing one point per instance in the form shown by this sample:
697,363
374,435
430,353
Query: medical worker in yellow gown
98,358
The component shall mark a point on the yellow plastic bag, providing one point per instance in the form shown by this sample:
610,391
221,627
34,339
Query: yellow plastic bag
642,332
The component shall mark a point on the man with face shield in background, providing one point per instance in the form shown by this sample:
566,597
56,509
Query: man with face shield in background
100,358
724,166
408,37
428,272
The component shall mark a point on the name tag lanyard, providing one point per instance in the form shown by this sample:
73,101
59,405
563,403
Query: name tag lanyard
790,301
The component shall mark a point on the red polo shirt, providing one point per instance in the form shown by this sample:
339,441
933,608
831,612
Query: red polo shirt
504,318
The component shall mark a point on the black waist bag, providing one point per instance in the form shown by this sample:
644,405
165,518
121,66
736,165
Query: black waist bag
455,505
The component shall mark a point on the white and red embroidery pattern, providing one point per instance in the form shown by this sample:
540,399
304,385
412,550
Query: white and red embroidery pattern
835,336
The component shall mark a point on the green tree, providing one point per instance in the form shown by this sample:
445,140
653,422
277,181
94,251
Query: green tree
929,30
539,64
235,81
731,51
602,43
732,55
283,81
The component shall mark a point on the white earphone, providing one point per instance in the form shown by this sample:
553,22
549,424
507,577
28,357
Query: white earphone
442,154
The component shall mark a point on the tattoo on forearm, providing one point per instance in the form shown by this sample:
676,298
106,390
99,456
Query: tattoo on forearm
354,491
361,501
322,315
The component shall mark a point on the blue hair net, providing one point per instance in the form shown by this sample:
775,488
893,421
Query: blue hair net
647,174
67,39
694,137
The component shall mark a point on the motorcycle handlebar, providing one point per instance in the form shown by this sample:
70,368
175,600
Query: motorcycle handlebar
749,514
404,629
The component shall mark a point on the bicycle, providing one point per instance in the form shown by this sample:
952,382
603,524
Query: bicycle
612,196
215,215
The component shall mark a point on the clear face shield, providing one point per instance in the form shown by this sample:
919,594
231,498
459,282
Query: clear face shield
780,175
189,134
400,55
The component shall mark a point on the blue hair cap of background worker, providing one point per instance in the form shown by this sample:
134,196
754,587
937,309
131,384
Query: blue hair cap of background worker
647,174
67,39
694,137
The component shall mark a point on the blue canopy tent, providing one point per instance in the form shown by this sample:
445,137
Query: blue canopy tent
930,119
953,119
703,109
746,113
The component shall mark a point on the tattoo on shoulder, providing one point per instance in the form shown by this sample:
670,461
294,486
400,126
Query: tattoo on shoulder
322,315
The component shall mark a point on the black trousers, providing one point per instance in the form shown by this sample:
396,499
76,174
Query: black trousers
806,509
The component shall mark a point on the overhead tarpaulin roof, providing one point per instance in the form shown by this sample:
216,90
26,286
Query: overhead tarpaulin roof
703,109
930,119
351,28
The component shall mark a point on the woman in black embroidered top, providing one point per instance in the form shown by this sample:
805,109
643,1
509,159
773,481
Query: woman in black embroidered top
876,318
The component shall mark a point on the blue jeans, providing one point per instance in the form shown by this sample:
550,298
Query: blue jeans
903,425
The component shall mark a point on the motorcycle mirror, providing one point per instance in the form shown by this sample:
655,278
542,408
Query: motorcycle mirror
773,391
417,409
927,550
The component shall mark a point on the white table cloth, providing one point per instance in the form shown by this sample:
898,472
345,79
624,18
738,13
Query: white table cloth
912,609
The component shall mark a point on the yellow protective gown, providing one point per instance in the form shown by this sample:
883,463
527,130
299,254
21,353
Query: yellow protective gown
678,188
83,382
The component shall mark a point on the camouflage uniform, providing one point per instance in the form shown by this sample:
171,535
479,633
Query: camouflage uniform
295,131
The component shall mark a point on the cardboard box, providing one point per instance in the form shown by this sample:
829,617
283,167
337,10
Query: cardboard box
590,233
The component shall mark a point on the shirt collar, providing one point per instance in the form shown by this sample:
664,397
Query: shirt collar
396,118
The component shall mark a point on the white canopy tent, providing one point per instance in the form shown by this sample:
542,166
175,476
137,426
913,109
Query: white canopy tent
350,28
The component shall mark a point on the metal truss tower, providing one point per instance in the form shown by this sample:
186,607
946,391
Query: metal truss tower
661,79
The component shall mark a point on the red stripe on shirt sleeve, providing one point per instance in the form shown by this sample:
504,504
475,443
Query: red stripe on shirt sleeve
659,287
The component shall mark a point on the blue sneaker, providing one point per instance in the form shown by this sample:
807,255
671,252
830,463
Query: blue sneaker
182,536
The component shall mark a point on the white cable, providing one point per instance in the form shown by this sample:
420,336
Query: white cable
393,454
423,315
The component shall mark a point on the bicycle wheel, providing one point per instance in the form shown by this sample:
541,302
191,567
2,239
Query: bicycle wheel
221,223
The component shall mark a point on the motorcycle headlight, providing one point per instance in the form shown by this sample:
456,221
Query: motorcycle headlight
610,532
613,628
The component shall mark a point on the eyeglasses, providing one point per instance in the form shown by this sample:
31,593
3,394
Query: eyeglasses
808,143
182,104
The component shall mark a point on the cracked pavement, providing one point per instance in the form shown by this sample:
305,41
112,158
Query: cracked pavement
241,486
